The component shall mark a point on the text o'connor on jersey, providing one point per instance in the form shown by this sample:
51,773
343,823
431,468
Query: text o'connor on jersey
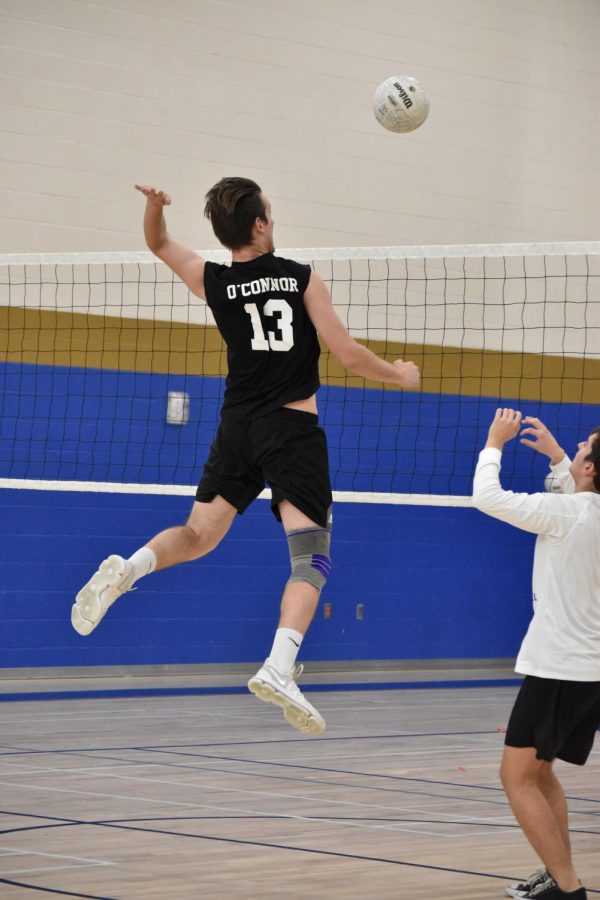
262,286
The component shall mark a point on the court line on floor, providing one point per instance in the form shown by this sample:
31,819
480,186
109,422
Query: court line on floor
15,851
121,825
237,708
397,778
23,696
396,810
338,855
236,791
16,751
47,890
125,825
46,869
126,763
286,778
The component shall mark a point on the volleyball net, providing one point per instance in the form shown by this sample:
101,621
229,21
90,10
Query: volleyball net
112,374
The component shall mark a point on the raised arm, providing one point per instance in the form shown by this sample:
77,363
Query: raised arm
186,264
348,352
539,513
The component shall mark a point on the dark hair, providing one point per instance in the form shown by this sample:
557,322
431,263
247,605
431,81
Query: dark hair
594,456
233,205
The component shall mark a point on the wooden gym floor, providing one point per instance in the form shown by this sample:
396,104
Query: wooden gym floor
167,794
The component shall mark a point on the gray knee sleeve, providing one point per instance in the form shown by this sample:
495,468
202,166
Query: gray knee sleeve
309,555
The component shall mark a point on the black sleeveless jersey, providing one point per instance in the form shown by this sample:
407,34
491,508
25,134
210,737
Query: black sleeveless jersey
272,345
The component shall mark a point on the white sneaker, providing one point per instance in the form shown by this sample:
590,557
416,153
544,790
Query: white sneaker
274,687
93,601
521,890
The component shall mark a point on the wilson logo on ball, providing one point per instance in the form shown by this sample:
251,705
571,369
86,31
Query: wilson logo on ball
400,104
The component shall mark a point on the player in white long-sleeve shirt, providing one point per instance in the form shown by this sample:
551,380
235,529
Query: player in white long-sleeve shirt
557,711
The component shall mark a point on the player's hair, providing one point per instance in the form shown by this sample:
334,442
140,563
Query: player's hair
233,205
594,456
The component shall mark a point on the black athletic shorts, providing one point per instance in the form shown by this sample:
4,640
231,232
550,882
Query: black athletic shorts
286,449
559,718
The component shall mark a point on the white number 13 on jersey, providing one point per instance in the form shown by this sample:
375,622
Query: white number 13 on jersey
281,340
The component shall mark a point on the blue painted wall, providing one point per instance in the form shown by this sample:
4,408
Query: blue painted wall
427,578
101,425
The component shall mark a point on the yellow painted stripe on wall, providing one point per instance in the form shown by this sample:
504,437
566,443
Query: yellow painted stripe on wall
49,338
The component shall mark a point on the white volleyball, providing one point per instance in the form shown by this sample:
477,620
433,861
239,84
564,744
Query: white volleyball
400,104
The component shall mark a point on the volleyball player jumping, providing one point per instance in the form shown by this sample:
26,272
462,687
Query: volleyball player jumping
268,311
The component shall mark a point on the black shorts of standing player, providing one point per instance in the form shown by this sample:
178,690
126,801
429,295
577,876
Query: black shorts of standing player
558,718
286,449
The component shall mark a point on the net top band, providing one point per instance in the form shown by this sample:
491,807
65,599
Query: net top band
440,251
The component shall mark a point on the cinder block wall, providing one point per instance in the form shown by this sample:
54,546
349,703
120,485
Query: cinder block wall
97,96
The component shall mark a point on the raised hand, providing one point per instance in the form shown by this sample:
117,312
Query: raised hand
541,439
505,426
153,195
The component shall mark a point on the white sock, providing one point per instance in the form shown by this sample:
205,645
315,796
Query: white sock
142,563
285,649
